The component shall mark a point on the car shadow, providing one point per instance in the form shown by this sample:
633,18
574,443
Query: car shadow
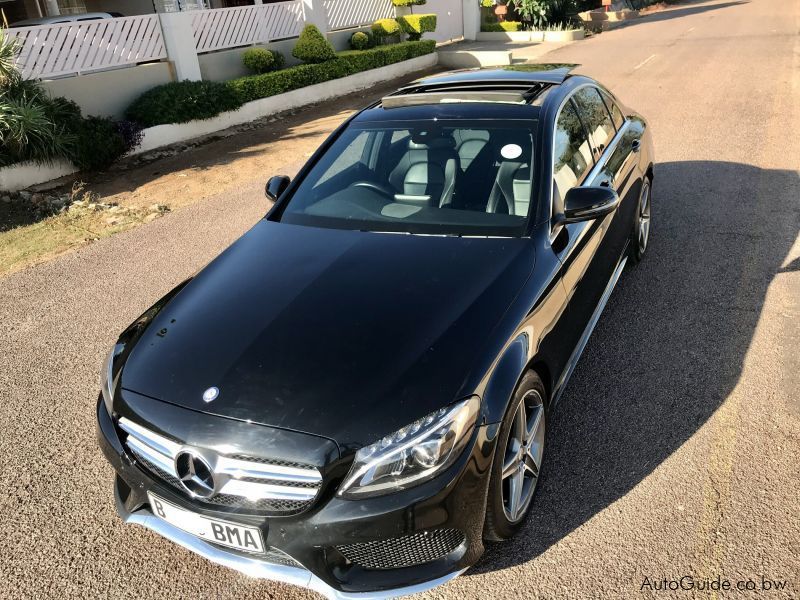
669,347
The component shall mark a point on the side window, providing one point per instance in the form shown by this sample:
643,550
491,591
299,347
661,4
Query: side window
572,155
595,117
352,154
399,135
616,113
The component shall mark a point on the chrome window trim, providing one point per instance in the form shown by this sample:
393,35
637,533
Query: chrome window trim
599,162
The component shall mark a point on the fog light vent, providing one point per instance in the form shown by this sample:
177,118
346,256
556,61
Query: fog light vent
407,551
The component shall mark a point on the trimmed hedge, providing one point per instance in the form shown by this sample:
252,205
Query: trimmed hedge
185,101
346,63
312,47
359,41
502,26
261,60
385,28
182,101
415,25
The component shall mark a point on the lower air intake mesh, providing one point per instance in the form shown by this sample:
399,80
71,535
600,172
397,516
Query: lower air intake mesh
408,551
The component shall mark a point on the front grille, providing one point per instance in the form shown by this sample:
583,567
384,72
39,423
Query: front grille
283,507
251,483
156,470
408,551
286,507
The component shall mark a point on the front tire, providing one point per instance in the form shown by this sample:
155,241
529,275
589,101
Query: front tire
517,461
640,235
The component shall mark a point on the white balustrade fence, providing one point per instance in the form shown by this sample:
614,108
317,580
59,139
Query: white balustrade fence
74,48
220,28
355,13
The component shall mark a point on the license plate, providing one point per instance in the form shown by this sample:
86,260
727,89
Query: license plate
211,530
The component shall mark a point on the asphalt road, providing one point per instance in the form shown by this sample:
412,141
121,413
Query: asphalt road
674,450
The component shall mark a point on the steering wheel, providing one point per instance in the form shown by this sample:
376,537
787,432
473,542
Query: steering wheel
381,189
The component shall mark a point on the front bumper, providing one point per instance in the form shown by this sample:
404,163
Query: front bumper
454,500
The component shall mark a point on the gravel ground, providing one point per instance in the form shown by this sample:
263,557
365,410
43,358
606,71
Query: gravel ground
674,450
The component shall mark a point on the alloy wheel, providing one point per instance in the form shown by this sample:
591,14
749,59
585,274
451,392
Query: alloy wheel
523,456
644,217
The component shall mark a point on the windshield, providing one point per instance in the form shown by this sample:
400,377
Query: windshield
433,177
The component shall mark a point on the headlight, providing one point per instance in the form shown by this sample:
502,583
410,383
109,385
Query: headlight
414,454
107,376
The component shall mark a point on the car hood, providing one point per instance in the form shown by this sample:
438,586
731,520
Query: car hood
344,334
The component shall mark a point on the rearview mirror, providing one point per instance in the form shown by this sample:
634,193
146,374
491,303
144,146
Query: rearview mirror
588,203
276,186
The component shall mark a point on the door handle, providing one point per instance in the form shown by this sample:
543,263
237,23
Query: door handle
636,145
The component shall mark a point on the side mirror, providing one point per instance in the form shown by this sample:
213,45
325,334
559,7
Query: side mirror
276,186
589,203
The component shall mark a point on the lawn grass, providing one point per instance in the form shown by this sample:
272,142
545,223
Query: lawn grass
36,242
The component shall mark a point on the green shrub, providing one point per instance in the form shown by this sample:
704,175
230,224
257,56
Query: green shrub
359,41
385,28
487,3
98,144
535,12
502,26
32,125
346,63
415,25
280,60
182,101
29,129
9,48
36,127
261,60
408,2
313,47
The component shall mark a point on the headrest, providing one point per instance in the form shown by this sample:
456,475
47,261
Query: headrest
436,143
513,147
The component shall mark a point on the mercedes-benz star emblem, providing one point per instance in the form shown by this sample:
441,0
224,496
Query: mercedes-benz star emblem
195,474
211,394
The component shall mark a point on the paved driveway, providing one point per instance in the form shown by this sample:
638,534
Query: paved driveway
673,451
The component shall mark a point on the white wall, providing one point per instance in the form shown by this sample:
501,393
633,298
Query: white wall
227,64
109,93
450,20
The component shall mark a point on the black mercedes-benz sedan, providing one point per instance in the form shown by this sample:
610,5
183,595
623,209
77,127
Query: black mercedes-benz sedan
353,396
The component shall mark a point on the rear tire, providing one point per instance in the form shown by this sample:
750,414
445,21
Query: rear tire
517,461
640,234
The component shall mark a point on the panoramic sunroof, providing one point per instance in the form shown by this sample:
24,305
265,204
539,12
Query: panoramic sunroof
454,97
